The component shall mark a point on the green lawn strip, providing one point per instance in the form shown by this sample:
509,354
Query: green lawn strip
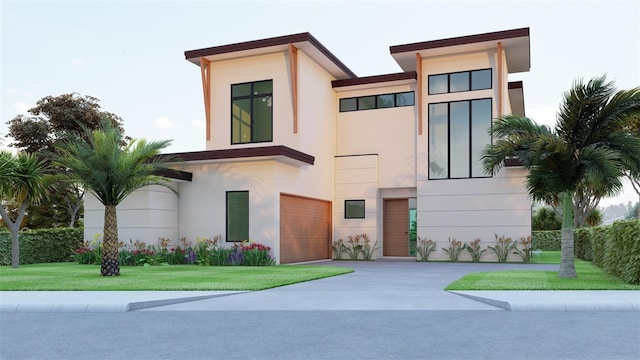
590,277
71,276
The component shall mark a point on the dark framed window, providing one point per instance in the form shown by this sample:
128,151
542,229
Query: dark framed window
460,81
252,112
381,101
237,215
458,132
354,209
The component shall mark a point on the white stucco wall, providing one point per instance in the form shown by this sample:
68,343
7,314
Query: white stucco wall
356,179
466,209
146,215
248,69
388,133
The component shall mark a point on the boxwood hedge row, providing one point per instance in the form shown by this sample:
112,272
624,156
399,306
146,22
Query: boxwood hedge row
42,246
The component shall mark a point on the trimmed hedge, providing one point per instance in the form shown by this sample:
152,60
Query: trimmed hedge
43,245
615,248
548,240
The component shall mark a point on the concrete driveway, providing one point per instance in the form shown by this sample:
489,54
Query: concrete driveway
381,285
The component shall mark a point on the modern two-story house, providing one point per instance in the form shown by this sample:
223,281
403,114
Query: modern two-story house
301,152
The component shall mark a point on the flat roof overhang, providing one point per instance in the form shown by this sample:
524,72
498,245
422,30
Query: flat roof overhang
277,152
515,42
367,82
303,41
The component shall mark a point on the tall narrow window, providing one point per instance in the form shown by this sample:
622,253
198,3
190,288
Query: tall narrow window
458,133
438,141
237,215
252,112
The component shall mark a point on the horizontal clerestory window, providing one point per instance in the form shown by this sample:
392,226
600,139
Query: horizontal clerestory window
381,101
460,81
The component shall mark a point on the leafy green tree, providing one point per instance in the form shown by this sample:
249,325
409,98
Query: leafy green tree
22,183
545,219
634,212
111,171
49,122
588,148
594,218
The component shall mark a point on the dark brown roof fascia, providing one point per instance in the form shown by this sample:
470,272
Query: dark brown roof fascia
274,41
512,162
175,174
263,151
515,85
462,40
409,75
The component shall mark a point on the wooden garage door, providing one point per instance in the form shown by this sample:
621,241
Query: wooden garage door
305,229
396,227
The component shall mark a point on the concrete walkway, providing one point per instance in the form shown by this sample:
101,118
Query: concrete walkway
380,285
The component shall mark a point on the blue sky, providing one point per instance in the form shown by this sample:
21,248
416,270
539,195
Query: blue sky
130,55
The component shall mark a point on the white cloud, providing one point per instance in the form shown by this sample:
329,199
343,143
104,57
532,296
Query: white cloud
23,107
77,61
198,124
12,91
163,122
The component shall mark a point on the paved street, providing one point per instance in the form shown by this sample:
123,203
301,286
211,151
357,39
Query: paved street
322,335
384,310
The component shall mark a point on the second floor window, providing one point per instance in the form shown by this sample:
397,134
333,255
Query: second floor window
252,112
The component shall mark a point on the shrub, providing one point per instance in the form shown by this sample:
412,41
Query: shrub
42,245
582,243
502,247
546,240
257,255
338,248
85,255
473,248
354,248
545,219
527,251
454,250
368,250
424,249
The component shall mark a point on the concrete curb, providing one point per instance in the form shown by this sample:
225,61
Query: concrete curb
552,302
97,307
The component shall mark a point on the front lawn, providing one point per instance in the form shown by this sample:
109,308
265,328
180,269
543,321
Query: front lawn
590,277
72,276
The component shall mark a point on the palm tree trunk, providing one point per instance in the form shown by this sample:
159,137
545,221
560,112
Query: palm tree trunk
14,227
567,266
110,265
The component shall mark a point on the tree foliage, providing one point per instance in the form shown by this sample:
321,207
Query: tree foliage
111,171
545,218
585,156
22,183
53,119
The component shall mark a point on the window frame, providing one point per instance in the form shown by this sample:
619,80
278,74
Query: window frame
364,208
227,225
470,81
449,145
251,97
376,105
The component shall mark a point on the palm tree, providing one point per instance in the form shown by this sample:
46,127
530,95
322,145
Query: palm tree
590,147
111,171
22,183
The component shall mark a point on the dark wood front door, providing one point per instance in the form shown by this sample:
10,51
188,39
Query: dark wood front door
396,227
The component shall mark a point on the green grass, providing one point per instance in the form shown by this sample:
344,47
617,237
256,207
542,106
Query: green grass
590,277
72,276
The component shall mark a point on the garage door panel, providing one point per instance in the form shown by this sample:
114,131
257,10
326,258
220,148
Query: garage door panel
305,229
